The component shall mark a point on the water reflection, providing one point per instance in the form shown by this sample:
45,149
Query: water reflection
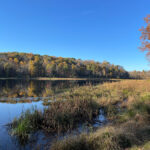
14,91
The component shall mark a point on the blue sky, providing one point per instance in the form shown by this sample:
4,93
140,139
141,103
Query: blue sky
88,29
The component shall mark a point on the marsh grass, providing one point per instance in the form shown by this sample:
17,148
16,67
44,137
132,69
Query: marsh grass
65,115
137,108
29,122
108,138
60,116
145,146
126,104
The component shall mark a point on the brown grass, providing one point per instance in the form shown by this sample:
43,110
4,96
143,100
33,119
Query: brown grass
127,104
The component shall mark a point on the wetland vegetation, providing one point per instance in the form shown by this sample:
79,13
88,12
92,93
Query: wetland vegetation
18,96
126,106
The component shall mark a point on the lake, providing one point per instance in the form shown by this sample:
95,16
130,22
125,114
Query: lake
16,96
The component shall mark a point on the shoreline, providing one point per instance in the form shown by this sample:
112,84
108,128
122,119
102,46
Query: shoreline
63,79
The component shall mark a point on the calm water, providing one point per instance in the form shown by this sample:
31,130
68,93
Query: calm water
17,96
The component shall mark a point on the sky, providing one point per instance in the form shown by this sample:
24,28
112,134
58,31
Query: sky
100,30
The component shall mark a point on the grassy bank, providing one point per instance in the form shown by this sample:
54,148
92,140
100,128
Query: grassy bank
127,106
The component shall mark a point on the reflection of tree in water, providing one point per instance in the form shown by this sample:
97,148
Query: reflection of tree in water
35,88
12,88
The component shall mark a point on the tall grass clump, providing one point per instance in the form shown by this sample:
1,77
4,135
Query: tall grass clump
65,115
28,122
60,116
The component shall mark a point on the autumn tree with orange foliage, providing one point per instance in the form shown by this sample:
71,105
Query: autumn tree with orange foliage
145,37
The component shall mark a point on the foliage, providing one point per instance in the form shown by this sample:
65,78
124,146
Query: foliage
139,74
30,65
145,36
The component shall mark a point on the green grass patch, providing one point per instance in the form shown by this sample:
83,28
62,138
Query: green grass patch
29,122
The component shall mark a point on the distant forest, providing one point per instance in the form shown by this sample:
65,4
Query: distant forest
139,74
30,65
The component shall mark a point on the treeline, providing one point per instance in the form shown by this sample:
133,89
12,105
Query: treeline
139,74
30,65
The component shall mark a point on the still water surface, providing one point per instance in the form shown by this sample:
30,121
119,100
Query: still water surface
17,96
